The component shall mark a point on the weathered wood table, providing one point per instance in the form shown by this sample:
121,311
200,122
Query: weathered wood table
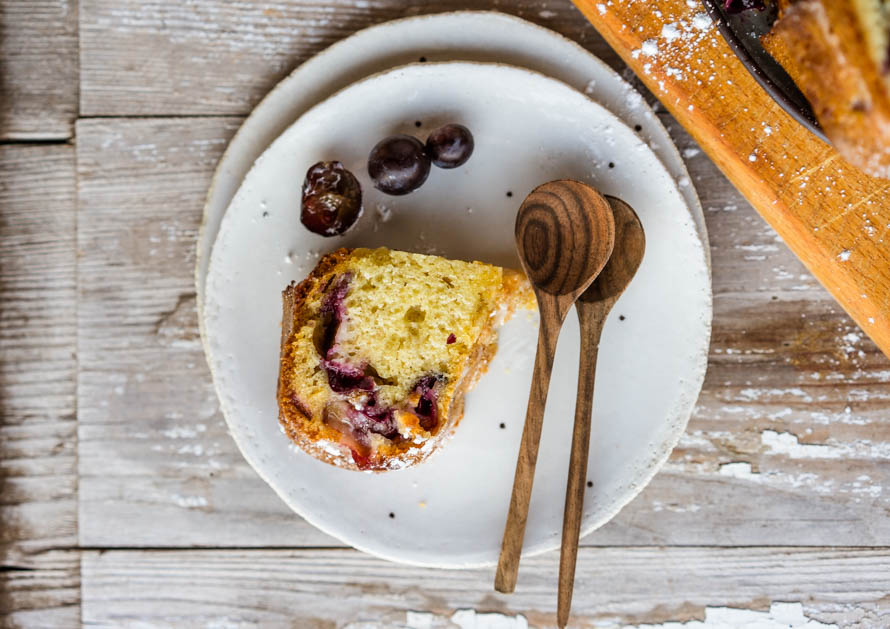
126,503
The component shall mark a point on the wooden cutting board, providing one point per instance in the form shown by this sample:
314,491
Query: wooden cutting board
835,218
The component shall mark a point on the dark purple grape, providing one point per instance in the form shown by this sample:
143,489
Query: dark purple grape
332,199
450,146
398,165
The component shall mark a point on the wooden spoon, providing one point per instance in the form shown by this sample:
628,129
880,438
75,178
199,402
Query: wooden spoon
593,307
564,233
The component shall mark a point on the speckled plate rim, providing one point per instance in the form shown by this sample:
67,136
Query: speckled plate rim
673,431
258,122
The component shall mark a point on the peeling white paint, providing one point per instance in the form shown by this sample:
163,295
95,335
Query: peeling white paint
195,449
180,432
779,616
744,471
673,507
739,469
754,395
469,619
461,619
865,488
789,445
189,502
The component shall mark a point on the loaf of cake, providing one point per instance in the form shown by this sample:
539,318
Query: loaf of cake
838,53
378,348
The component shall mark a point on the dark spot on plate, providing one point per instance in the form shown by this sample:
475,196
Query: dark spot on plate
503,425
621,317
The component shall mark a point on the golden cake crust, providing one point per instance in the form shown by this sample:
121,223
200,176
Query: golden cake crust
295,420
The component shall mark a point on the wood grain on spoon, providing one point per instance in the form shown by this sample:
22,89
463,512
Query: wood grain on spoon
564,233
593,307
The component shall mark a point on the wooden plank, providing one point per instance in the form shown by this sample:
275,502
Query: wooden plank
38,430
159,469
219,57
42,591
153,446
832,216
38,69
614,587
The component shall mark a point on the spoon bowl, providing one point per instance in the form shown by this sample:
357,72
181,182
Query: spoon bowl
627,255
564,232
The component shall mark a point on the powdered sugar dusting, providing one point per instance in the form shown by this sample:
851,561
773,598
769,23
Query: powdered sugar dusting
681,52
702,21
670,32
649,48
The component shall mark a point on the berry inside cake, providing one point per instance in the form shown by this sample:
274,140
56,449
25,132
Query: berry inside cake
380,346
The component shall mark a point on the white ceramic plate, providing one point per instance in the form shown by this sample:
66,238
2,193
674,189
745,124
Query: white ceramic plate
458,36
450,510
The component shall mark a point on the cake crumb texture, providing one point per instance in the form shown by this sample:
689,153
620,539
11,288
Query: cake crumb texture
379,347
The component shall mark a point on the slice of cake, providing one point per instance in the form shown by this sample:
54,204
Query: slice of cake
838,53
378,348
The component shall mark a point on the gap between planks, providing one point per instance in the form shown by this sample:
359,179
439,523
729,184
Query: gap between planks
40,579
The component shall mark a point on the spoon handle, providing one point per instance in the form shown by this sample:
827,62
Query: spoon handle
514,531
591,316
